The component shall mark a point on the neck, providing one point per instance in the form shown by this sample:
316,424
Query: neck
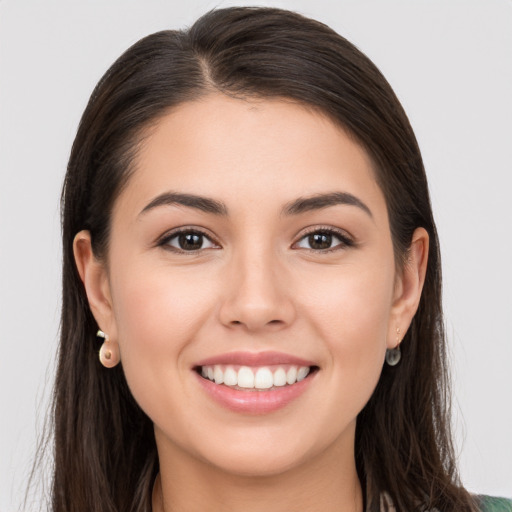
327,482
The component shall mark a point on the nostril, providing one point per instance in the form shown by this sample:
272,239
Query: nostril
271,322
257,323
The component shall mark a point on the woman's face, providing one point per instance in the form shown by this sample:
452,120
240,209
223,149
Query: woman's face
252,243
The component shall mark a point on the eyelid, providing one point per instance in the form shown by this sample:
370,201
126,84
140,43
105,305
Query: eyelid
163,241
346,239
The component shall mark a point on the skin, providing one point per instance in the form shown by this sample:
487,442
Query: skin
256,284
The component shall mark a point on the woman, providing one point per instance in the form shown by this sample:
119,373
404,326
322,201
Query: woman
250,248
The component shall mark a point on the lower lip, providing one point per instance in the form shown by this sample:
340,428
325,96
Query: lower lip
254,402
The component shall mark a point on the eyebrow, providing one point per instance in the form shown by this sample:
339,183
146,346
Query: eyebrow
204,204
295,207
320,201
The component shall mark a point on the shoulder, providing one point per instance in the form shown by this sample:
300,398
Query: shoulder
491,504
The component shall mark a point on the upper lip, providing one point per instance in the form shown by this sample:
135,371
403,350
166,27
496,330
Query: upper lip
254,359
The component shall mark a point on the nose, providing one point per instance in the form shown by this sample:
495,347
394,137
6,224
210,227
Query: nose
257,293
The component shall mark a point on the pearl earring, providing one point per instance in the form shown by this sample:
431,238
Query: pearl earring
109,351
393,355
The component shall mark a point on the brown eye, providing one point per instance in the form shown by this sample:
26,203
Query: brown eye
324,240
320,240
188,241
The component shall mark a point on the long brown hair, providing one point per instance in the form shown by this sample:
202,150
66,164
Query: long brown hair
104,448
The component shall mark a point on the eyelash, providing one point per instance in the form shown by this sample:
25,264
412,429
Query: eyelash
345,240
164,242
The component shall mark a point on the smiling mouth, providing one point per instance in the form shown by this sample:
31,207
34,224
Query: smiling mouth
261,378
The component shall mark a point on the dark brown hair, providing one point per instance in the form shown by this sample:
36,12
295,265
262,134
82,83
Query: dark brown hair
105,453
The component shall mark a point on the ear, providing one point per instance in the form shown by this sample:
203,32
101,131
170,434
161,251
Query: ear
408,287
94,276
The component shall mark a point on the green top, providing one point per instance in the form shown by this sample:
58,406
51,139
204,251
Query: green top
490,504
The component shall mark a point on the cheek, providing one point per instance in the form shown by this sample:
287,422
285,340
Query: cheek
158,312
351,311
351,301
159,303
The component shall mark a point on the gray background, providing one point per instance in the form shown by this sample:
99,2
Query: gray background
450,63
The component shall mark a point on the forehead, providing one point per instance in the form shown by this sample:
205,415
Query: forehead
250,153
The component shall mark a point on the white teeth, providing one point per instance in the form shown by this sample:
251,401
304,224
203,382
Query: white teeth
279,377
291,375
245,377
254,378
218,374
302,373
230,377
263,379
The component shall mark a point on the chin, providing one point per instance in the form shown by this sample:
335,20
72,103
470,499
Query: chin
265,451
258,464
